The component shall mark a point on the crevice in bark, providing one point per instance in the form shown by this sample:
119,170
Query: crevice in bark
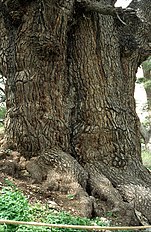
71,105
14,12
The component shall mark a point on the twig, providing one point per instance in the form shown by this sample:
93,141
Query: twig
74,226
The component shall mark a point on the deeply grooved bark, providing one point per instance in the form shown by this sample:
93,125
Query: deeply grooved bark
70,100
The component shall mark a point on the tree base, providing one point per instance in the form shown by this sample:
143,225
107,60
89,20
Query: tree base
84,190
87,186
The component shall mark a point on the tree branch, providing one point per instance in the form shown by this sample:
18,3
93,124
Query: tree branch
136,17
143,9
143,12
97,7
105,9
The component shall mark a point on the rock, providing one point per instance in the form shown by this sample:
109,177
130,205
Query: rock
105,221
25,173
9,167
22,162
52,205
16,156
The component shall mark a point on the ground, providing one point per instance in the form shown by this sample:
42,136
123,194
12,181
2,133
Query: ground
13,170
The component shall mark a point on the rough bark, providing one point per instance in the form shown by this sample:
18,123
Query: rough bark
70,98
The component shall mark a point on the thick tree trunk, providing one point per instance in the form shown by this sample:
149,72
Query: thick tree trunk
70,100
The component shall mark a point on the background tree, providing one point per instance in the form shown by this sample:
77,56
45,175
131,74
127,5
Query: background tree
146,65
147,83
71,70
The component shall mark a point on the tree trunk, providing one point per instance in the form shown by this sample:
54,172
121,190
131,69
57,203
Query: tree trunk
70,100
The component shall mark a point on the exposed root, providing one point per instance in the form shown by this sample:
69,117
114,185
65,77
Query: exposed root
55,159
102,187
74,194
59,171
140,197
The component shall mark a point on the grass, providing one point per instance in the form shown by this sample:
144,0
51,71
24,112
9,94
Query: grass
15,206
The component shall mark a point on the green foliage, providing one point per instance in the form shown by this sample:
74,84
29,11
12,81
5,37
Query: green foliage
66,218
147,84
109,214
2,228
14,206
124,230
10,183
146,122
2,112
147,64
33,229
146,157
71,196
140,80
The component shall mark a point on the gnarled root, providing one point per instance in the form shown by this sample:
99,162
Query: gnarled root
109,198
87,186
139,197
59,171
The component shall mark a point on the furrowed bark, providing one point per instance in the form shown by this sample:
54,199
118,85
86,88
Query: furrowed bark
70,98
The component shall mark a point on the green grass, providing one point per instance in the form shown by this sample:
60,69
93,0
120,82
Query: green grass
15,206
146,157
